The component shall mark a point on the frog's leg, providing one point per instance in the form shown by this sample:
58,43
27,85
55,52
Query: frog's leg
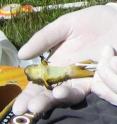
43,60
47,85
88,61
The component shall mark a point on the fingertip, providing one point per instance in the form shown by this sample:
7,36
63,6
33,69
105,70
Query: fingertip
20,104
39,104
19,109
61,92
68,95
24,52
20,54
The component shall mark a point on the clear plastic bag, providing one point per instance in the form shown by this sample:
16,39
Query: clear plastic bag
8,54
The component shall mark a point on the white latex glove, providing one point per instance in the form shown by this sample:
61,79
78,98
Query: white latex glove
105,79
77,36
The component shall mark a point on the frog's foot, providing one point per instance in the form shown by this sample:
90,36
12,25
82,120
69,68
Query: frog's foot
88,61
49,87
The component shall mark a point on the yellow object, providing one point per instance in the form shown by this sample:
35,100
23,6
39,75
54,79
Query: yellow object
15,9
11,9
12,82
27,8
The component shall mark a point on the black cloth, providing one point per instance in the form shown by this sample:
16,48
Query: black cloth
93,110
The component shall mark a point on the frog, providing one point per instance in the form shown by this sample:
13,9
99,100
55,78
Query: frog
47,74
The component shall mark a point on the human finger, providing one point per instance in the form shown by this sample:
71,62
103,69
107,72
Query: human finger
106,73
103,84
72,91
102,90
41,103
21,103
46,38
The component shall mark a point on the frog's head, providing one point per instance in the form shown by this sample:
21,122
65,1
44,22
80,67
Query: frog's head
33,73
36,73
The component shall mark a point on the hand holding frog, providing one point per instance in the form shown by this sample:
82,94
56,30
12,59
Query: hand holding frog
75,37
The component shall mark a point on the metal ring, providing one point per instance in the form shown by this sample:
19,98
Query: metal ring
18,119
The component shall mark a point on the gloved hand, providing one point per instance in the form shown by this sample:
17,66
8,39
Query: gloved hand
104,83
76,36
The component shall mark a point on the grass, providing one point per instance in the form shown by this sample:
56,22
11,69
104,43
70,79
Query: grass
20,29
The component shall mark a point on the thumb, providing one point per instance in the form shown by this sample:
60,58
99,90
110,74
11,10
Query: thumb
46,38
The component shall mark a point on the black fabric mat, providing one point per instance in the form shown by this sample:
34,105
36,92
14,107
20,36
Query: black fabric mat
93,110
